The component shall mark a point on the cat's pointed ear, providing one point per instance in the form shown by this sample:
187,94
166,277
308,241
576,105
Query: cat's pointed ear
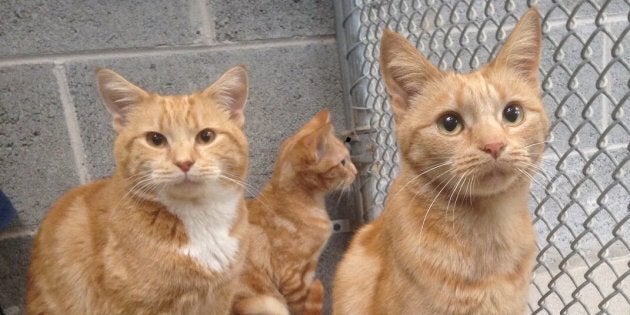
231,90
118,94
521,52
406,71
314,143
318,121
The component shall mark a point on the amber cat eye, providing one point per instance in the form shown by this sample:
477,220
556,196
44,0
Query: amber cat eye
450,123
513,113
156,139
205,136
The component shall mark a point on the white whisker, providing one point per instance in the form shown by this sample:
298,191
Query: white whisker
422,173
432,202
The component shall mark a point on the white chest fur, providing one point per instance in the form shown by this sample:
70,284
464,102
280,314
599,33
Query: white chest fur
208,225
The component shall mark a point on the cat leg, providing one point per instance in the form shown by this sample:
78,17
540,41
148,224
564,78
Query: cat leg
315,299
260,305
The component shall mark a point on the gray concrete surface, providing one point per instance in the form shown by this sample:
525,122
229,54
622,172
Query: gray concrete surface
60,26
55,133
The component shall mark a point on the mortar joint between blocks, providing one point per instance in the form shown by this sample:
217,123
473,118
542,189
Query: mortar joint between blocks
72,123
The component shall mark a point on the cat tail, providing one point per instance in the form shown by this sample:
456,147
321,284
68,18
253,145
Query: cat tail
315,299
260,305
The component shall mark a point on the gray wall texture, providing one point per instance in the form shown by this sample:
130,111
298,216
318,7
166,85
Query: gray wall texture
56,134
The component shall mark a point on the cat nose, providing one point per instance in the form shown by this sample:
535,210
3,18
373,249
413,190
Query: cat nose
494,149
184,165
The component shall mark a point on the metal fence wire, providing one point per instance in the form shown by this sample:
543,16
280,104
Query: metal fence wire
580,200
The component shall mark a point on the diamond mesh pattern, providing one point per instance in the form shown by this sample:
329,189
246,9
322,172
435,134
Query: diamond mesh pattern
581,198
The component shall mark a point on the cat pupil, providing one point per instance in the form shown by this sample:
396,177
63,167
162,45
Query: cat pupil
511,113
156,139
450,122
206,135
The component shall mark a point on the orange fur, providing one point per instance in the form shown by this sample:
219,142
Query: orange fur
456,235
290,225
315,299
132,243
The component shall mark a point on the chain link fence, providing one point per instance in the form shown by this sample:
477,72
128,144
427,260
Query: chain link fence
580,199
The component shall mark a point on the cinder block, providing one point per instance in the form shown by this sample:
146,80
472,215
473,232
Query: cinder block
36,160
32,27
584,192
265,19
15,256
603,279
288,85
561,10
570,70
617,104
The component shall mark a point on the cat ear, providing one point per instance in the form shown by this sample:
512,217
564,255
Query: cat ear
319,120
118,94
521,52
231,91
315,142
406,71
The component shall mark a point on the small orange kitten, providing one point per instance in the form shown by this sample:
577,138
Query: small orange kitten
164,234
290,225
456,235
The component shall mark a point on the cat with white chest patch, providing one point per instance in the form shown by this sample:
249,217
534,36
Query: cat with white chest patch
164,234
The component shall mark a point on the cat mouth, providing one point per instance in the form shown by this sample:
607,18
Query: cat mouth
187,180
495,173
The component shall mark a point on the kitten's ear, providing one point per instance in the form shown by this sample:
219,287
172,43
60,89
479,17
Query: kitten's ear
314,143
231,91
318,121
118,94
406,71
521,52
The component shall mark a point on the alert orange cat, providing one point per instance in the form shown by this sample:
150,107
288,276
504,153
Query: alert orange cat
456,236
164,234
290,225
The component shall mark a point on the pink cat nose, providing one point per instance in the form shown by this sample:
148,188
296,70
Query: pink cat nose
185,165
494,149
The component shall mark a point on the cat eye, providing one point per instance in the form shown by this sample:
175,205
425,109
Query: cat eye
513,113
156,139
205,136
343,162
450,123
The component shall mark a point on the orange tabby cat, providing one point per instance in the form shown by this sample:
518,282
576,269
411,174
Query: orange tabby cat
164,234
290,225
455,236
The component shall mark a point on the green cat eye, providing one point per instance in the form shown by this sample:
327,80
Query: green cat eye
156,139
513,113
205,136
450,123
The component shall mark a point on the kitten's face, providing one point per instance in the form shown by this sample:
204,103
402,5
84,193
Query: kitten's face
316,158
478,133
178,147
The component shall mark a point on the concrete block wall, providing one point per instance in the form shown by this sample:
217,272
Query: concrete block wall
55,133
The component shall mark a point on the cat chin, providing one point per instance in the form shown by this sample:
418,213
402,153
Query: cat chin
185,192
494,184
